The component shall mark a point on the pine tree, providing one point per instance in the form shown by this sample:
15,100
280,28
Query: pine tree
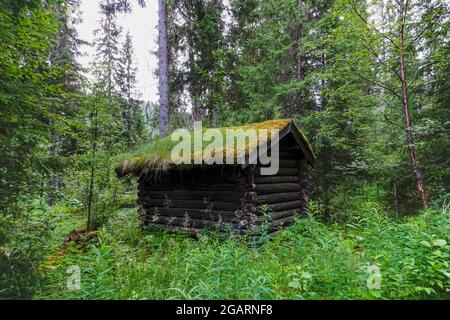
197,32
126,78
163,56
107,47
66,52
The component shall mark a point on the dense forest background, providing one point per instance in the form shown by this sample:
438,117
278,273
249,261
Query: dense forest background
367,81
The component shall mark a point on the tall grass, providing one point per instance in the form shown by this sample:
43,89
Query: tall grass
310,260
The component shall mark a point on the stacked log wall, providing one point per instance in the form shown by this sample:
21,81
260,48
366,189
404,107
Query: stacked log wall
195,199
284,195
227,198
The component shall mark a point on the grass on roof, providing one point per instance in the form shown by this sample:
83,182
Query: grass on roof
155,155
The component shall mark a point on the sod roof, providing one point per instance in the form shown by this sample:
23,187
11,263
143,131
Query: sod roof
155,156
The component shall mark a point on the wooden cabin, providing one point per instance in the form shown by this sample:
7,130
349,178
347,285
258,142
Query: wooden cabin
224,197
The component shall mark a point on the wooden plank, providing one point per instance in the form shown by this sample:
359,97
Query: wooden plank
277,188
301,143
277,197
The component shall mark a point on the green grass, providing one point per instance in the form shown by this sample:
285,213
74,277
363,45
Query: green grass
310,260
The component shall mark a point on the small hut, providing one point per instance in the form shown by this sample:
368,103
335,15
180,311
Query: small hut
233,197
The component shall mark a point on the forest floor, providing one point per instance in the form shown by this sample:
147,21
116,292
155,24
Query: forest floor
373,257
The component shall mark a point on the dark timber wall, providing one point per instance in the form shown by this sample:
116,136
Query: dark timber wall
227,197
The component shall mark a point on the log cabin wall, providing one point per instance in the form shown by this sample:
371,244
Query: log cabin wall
284,194
227,197
212,197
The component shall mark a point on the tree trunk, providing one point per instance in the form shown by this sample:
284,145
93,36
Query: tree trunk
93,118
163,70
409,134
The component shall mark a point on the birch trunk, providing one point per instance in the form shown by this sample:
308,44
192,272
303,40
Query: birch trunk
409,134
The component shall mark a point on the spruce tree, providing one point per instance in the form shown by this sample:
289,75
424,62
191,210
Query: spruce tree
68,79
106,63
126,80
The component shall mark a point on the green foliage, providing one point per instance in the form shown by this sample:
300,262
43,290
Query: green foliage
26,240
26,95
310,260
320,62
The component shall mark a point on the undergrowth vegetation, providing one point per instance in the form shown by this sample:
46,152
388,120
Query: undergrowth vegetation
370,257
376,113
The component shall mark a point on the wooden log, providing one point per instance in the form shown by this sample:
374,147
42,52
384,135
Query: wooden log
277,188
283,214
281,172
202,176
190,186
195,232
278,215
285,205
199,174
212,215
191,222
249,197
193,204
277,197
289,155
193,195
276,179
160,227
284,163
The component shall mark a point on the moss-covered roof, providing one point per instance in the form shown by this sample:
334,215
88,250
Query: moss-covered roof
155,155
